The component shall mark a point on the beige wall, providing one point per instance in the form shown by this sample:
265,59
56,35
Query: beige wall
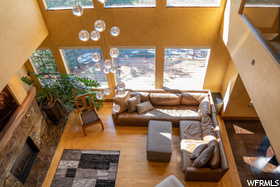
17,87
260,80
22,31
265,18
158,27
238,105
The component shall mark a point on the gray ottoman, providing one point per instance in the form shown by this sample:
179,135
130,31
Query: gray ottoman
159,141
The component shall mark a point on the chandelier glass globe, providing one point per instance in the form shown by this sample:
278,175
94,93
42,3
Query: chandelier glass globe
114,52
77,10
96,57
106,70
99,95
97,67
106,91
95,35
113,70
121,86
116,107
99,25
108,64
115,31
84,35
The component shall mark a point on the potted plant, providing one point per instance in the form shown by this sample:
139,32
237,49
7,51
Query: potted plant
57,94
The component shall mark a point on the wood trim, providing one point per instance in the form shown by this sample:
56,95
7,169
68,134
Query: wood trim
242,6
16,119
238,118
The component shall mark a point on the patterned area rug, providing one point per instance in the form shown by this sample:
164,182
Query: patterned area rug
87,168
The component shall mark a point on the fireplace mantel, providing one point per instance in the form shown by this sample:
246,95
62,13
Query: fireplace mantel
16,119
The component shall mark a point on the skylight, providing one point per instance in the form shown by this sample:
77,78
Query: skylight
66,4
129,3
193,3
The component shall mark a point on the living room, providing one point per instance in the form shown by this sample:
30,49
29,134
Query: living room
135,93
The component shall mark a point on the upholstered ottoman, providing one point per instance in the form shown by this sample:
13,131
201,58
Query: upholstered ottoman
159,141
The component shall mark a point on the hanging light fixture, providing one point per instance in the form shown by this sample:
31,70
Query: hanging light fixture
99,25
115,31
77,9
95,35
84,35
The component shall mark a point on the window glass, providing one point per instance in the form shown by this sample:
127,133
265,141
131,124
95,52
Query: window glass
185,68
193,3
84,67
43,62
66,4
130,3
136,68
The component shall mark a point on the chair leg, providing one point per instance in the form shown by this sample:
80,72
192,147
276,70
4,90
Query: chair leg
102,125
84,130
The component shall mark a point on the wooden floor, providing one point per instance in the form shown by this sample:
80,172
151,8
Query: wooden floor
134,170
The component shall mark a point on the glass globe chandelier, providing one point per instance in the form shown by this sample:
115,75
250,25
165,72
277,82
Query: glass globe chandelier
108,65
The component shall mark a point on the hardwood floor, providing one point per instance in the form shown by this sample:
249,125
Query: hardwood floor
134,170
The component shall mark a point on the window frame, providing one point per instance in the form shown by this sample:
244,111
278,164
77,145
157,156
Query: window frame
155,62
194,6
187,47
68,71
64,8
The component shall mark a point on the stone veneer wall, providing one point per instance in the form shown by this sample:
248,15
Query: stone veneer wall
33,124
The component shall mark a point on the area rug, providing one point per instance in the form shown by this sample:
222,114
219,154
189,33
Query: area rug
87,168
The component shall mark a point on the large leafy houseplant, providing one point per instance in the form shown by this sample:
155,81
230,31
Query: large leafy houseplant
61,89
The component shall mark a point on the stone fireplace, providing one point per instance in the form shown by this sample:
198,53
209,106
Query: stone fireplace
25,160
20,141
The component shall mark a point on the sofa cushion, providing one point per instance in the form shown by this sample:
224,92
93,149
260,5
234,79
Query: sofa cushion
204,107
187,146
144,107
204,157
165,99
216,158
194,99
132,103
207,127
122,101
188,129
198,150
159,114
143,95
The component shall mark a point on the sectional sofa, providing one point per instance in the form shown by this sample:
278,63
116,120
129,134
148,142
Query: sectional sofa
188,111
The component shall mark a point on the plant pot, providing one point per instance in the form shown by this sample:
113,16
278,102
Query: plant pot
54,111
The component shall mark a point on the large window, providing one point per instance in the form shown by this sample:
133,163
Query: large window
43,63
193,3
79,62
130,3
136,67
185,68
66,4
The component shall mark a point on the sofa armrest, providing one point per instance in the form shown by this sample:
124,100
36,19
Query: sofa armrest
115,117
204,174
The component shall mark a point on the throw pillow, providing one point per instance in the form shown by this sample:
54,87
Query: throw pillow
122,101
132,103
216,158
197,151
204,107
144,107
189,99
204,157
145,96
